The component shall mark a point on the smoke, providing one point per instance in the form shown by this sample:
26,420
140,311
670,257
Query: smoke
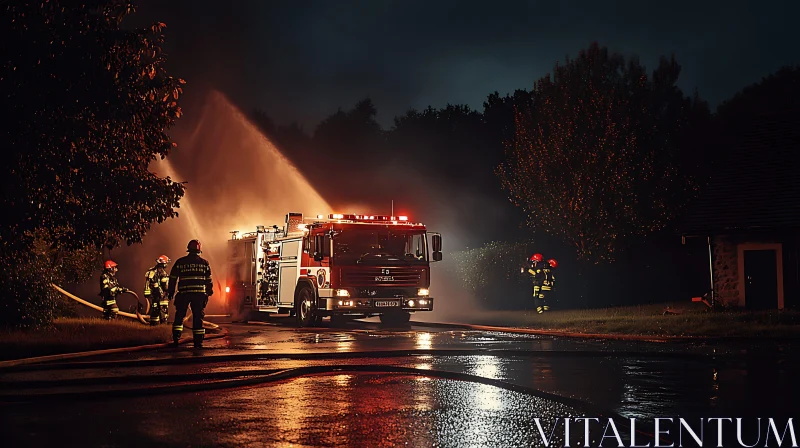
236,179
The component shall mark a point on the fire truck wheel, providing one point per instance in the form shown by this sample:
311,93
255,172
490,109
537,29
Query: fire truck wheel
303,305
398,318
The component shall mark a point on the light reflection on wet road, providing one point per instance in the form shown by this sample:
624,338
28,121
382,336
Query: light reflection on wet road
380,410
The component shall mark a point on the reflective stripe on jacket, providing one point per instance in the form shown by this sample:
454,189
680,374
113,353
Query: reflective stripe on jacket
190,274
156,281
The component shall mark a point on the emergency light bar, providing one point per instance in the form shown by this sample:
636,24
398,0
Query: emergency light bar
367,218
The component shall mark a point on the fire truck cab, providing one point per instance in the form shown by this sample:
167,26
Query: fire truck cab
341,266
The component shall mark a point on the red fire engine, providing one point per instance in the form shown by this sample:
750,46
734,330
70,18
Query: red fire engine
343,265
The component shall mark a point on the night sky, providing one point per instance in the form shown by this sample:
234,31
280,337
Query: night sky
301,60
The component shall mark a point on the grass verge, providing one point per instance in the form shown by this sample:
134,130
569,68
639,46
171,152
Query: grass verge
650,320
70,335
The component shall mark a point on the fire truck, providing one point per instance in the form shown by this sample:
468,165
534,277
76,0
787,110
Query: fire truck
342,266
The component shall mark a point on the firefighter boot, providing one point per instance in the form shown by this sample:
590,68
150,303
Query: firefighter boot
155,315
164,313
176,334
198,340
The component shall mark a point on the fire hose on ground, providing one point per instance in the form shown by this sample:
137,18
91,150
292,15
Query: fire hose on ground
144,319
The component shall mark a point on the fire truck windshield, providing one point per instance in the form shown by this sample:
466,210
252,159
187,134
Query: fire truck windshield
384,246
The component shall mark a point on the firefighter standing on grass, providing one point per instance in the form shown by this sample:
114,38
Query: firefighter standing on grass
548,282
537,279
543,279
156,281
110,289
192,277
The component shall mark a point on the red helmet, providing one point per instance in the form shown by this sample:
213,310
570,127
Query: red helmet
194,246
552,262
537,257
162,259
110,264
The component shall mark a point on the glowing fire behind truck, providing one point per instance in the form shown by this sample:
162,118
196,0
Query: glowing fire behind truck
341,266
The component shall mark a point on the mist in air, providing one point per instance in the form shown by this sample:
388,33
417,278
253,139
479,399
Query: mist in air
236,179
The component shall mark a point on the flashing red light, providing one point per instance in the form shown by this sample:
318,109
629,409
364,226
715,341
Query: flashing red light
227,289
403,218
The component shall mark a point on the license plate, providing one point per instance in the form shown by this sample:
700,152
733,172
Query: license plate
384,279
387,303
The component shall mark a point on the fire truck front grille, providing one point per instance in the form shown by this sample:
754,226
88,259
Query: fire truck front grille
390,277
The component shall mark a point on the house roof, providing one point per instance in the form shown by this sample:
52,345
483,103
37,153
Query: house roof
757,187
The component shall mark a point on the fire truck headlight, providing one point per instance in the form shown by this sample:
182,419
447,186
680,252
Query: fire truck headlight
423,302
227,289
423,292
410,303
342,293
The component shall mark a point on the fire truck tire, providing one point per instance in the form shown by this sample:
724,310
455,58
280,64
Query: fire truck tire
304,307
396,318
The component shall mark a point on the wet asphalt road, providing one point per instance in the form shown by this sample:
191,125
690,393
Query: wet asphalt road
351,408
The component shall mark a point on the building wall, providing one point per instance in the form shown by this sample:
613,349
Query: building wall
726,269
726,266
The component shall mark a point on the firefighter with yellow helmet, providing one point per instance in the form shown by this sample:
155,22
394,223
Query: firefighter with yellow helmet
156,281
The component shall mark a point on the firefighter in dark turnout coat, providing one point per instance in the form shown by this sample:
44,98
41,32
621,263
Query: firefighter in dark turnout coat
109,290
548,283
191,276
156,281
537,280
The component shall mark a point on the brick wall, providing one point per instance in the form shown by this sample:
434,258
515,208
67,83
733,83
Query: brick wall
726,270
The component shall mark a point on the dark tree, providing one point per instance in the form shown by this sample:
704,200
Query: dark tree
499,113
86,108
353,132
596,159
779,91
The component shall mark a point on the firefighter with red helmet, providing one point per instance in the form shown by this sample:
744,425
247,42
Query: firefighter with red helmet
548,282
156,281
110,289
191,276
537,279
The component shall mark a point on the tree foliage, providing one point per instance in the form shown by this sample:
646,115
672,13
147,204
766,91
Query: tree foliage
86,108
596,157
780,91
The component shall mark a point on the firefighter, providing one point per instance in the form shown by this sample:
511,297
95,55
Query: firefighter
192,276
156,281
537,278
110,289
548,282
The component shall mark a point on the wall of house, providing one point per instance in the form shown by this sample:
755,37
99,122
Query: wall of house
726,269
726,266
